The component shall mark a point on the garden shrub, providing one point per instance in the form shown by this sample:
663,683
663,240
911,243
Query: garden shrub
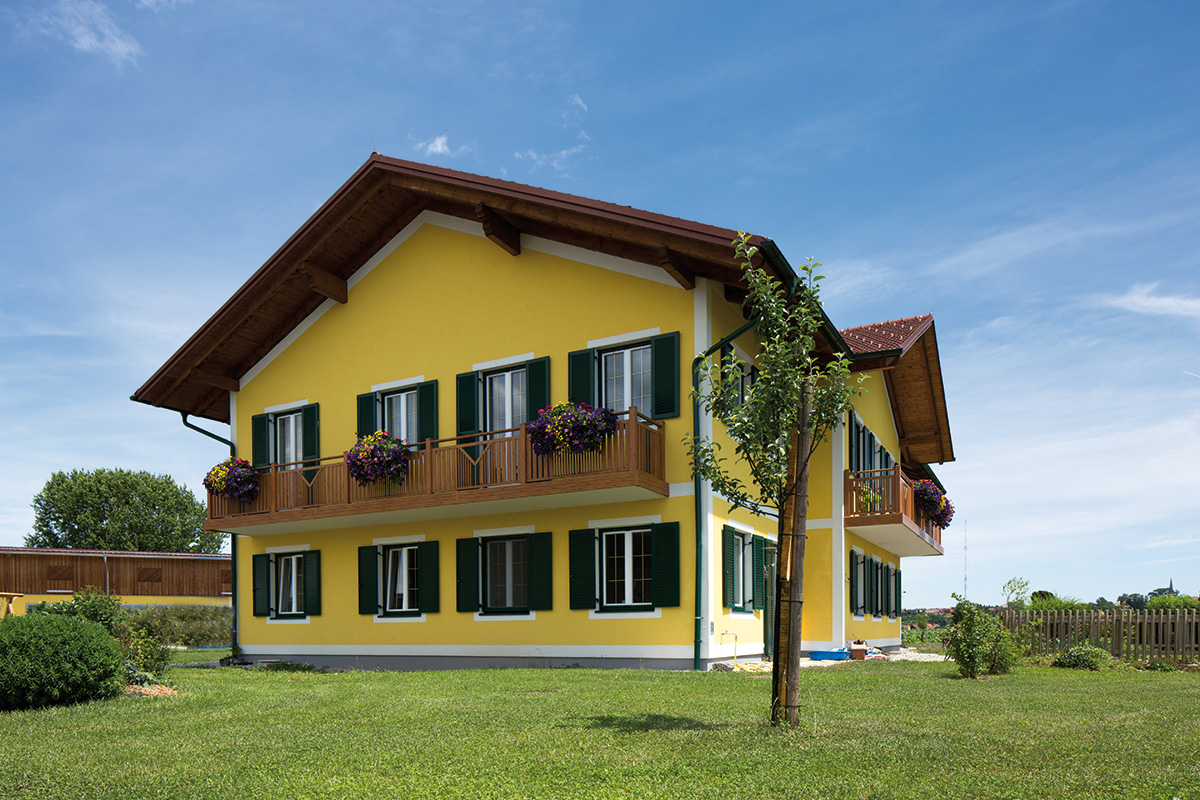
143,652
186,625
978,642
1083,656
1169,602
87,603
56,659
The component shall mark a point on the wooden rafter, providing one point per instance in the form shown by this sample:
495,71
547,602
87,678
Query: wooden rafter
495,227
677,267
214,379
325,283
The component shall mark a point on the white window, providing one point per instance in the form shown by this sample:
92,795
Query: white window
289,438
506,574
506,399
400,415
626,568
625,379
288,577
743,572
401,586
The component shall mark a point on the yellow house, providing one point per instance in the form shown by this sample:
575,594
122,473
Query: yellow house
448,309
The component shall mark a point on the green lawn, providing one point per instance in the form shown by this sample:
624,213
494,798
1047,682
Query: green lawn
904,730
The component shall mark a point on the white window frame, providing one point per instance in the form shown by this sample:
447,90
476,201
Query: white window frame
626,537
743,571
509,605
625,375
408,558
407,398
293,587
510,418
860,601
295,434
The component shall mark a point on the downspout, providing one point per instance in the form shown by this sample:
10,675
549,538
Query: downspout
782,268
233,554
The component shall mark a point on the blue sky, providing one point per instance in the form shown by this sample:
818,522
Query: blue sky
1028,172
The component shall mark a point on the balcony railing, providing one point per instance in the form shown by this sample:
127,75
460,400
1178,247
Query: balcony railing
885,497
493,465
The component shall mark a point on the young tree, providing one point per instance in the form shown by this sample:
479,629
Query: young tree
776,423
116,509
1016,593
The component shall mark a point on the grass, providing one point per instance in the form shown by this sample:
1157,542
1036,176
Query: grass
874,729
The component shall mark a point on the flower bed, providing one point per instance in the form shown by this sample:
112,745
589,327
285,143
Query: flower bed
234,478
936,507
571,428
377,457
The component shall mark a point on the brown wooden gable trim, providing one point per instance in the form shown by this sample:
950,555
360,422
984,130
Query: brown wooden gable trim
499,230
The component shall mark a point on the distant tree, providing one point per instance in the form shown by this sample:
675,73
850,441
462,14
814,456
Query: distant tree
116,509
1101,604
1135,601
1049,601
1161,591
1015,592
1042,594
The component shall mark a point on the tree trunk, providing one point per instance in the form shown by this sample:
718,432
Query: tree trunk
789,597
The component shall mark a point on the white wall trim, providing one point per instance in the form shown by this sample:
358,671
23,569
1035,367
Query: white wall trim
624,338
741,526
813,524
287,548
497,363
495,650
655,614
625,522
615,264
292,406
233,419
681,489
400,384
481,617
385,540
515,530
286,621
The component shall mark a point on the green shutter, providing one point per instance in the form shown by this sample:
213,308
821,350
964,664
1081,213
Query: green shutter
537,384
427,411
899,594
728,543
260,441
886,585
664,561
428,578
664,369
760,571
261,572
581,376
368,579
312,582
467,387
367,422
853,582
467,573
541,575
582,555
310,430
869,585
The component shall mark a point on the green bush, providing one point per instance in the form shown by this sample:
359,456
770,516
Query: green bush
1167,602
87,603
1083,656
143,653
1048,601
186,625
978,643
54,659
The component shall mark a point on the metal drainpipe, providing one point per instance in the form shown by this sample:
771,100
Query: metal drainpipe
233,554
771,254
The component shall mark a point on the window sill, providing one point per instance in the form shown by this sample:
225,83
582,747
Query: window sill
287,620
625,612
399,618
742,613
504,616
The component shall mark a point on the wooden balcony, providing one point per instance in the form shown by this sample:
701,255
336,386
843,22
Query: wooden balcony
881,508
491,472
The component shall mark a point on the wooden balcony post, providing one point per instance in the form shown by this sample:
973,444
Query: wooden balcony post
897,497
631,439
523,456
429,475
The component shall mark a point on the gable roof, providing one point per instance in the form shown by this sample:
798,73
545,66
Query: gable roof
378,202
907,353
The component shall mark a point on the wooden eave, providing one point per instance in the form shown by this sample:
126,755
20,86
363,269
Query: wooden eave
912,375
374,205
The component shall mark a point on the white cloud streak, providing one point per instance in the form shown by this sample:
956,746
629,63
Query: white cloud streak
1141,299
89,27
439,146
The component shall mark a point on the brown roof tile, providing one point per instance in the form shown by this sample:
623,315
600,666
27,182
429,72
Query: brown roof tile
896,334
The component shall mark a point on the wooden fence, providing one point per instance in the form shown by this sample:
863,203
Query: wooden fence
1127,634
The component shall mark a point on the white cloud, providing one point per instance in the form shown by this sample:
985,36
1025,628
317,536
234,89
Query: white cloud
1141,299
559,161
88,27
161,5
576,100
439,146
